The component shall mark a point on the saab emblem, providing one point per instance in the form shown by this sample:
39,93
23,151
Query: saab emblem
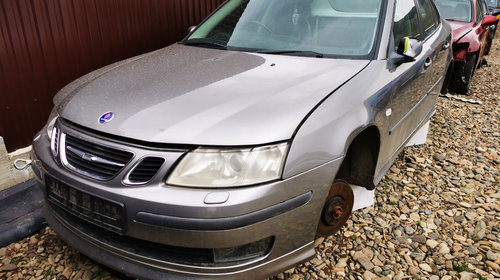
106,117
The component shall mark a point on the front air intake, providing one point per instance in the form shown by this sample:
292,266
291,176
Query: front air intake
145,170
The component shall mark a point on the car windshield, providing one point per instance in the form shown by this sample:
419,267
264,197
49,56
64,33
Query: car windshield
297,27
455,10
492,3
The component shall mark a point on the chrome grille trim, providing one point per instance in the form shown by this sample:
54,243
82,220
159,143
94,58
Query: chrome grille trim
147,168
92,160
119,176
54,143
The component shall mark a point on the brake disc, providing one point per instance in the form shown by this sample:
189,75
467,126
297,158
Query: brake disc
336,210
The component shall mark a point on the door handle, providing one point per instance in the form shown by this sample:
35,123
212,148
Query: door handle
427,63
446,45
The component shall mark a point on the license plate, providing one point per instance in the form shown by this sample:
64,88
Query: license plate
98,211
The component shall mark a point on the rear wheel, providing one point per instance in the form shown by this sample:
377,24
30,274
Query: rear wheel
463,75
336,210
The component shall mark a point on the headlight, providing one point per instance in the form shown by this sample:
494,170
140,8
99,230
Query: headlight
229,168
51,122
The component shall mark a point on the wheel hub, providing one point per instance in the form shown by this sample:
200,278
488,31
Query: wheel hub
336,210
333,210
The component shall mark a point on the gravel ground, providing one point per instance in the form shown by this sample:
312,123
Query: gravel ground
437,211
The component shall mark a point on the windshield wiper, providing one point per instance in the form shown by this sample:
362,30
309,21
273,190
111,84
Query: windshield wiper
204,43
450,19
292,52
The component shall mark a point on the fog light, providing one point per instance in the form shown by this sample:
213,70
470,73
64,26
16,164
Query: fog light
245,252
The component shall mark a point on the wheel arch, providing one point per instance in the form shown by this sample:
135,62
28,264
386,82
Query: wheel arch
472,40
361,157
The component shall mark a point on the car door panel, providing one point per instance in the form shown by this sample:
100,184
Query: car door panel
416,87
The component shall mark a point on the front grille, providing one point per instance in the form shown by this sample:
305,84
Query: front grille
54,144
93,160
103,213
145,170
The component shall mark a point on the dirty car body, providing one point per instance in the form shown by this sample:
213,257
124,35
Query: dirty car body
471,29
214,157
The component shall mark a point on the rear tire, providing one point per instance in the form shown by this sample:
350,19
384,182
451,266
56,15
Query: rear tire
462,76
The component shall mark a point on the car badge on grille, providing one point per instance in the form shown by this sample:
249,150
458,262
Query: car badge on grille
93,158
106,117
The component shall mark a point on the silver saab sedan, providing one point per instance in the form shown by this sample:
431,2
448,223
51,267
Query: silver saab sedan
223,156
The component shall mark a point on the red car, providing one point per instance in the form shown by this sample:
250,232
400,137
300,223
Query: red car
494,12
470,26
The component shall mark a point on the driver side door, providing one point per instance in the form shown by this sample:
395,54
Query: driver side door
410,83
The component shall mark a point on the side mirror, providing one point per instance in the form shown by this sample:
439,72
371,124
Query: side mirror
489,20
409,48
191,29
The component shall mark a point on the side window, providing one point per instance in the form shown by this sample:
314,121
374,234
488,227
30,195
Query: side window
479,13
485,7
428,16
436,14
405,21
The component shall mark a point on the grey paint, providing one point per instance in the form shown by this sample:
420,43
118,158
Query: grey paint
360,104
199,96
190,95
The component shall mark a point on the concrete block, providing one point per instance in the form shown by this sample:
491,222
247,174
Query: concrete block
9,176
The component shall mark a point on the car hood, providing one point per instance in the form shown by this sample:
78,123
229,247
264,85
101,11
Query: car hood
191,95
460,29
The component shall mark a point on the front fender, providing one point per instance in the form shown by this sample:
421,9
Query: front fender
322,139
473,40
328,131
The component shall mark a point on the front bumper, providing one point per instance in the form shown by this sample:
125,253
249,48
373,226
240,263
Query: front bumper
168,229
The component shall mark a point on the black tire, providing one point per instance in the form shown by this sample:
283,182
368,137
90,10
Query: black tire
491,35
462,76
488,47
447,79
